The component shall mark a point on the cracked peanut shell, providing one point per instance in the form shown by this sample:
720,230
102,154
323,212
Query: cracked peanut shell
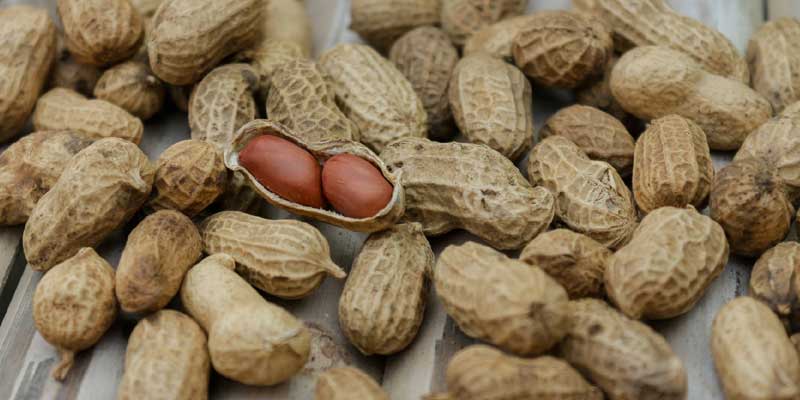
101,32
342,383
381,22
773,54
775,280
463,18
132,86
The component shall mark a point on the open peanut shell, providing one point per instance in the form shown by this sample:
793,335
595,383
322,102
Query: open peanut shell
322,151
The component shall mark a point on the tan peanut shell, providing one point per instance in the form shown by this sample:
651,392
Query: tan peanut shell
380,22
672,165
510,304
322,152
26,55
491,101
772,54
574,260
497,39
74,305
383,301
64,109
795,341
166,359
374,94
190,37
30,167
342,383
462,18
624,357
266,57
100,189
300,99
467,186
775,279
147,8
70,74
190,175
239,196
674,255
285,258
591,197
753,355
597,93
654,22
481,372
749,200
601,136
250,340
652,82
287,20
180,96
156,256
132,87
562,48
426,57
101,32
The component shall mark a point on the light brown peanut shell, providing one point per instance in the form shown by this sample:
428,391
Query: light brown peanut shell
30,167
64,109
773,55
574,260
674,255
672,165
287,20
491,101
505,302
100,189
266,57
27,51
156,256
74,305
652,82
749,200
775,279
497,39
480,372
467,186
180,96
190,37
597,93
70,74
285,258
167,359
147,8
562,48
796,341
383,301
101,32
300,99
653,22
624,357
322,152
601,136
250,340
132,87
239,196
462,18
380,22
344,383
427,58
190,175
374,94
753,355
591,197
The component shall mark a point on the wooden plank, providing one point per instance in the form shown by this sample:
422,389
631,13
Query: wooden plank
783,8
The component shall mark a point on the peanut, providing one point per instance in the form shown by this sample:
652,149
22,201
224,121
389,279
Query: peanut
775,280
167,358
250,340
291,264
344,383
157,255
26,55
30,167
672,165
512,305
74,305
354,187
101,32
287,20
472,187
624,357
497,39
574,260
64,109
132,86
427,58
380,23
491,101
392,266
772,55
653,22
652,82
147,8
753,356
591,197
374,95
267,56
597,94
562,48
462,18
749,200
70,74
674,255
190,37
239,196
180,96
601,136
100,189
